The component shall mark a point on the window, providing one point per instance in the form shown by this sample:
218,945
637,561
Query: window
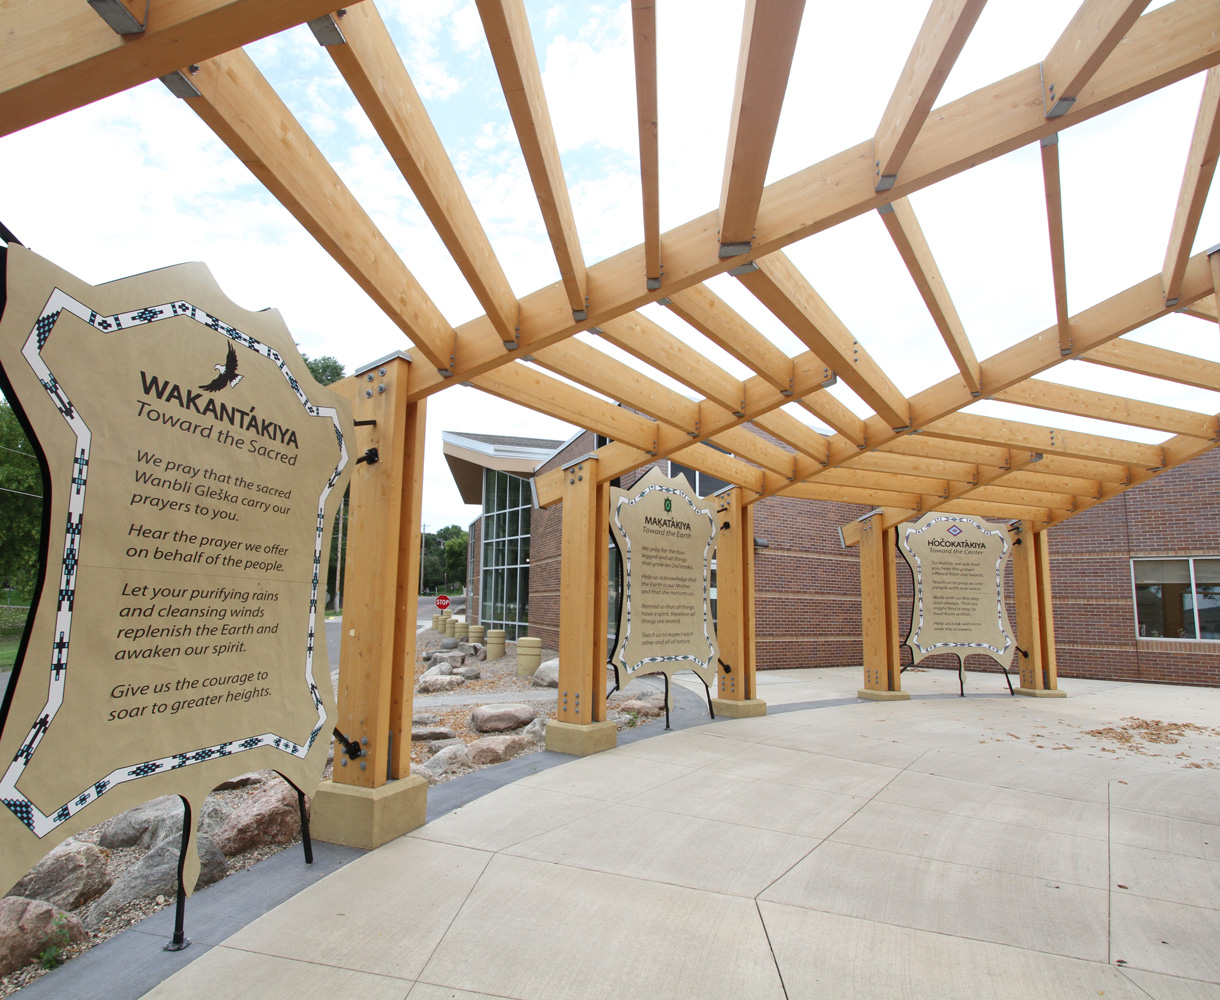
703,484
1177,598
504,599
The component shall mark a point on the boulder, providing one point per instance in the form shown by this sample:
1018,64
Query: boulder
647,709
453,659
244,780
435,747
547,674
428,733
425,719
156,874
158,820
437,685
471,673
496,749
424,773
536,730
449,644
448,760
481,655
500,718
29,927
469,648
271,815
68,877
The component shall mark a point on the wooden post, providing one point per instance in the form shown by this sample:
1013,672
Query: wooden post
735,611
1046,619
601,600
361,807
1031,642
879,613
583,567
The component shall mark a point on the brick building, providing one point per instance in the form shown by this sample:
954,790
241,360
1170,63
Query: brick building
1136,580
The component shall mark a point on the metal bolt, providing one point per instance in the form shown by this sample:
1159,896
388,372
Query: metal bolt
368,393
369,376
381,388
194,69
381,372
363,766
343,762
364,741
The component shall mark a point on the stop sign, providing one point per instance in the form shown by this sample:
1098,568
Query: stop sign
442,602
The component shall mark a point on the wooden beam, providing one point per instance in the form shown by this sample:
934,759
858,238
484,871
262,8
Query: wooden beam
835,415
644,37
1092,34
512,49
239,105
903,227
578,579
851,533
654,345
975,453
1117,409
750,447
59,55
1046,609
815,490
1078,468
716,320
981,508
1204,309
865,480
1048,440
1144,359
940,40
524,385
370,64
878,611
778,285
768,41
1054,224
1166,45
1025,596
793,433
1036,478
722,466
1196,182
891,463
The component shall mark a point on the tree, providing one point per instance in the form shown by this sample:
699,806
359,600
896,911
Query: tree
455,559
20,506
444,559
325,369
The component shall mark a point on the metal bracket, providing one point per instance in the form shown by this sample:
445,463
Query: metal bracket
369,456
733,250
179,84
326,28
350,747
120,20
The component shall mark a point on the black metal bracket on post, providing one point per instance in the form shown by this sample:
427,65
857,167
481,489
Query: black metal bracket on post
306,840
350,747
364,423
180,940
369,456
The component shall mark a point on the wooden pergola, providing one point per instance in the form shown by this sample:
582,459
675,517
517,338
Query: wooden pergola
913,453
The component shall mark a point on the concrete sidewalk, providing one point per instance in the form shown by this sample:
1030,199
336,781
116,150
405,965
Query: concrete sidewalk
986,847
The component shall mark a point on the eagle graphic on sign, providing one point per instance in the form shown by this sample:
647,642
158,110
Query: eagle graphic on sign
228,373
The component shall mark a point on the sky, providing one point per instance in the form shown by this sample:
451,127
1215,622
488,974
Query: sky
139,183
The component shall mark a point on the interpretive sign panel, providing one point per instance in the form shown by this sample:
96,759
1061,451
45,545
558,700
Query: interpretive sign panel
666,537
193,468
958,565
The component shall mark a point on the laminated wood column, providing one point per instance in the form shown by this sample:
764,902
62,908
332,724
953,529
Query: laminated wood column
1031,584
373,799
879,613
583,566
735,611
1035,615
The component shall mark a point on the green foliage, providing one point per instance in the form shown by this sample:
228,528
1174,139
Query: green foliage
325,369
444,559
12,619
20,505
51,956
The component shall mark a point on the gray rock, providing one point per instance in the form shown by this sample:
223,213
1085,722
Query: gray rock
244,780
68,877
471,673
272,815
547,674
437,746
468,648
158,820
453,659
429,733
156,874
500,718
28,927
449,644
481,655
496,749
647,709
435,685
448,759
536,730
424,773
425,719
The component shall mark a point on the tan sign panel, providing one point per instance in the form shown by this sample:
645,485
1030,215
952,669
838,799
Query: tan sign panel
958,564
666,537
194,470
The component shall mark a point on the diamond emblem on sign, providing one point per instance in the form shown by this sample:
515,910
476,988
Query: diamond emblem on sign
954,529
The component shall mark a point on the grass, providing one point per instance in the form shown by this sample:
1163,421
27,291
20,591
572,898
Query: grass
8,651
12,621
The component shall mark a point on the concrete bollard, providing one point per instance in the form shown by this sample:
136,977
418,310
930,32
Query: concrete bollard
529,655
495,643
436,623
475,633
450,625
459,631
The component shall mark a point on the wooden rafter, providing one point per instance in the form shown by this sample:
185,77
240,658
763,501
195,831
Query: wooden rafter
1196,181
238,104
644,36
903,227
1092,34
1072,444
1204,309
1054,225
941,38
778,285
512,48
1145,359
369,63
768,42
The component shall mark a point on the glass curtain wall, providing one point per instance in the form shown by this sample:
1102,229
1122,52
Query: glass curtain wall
504,597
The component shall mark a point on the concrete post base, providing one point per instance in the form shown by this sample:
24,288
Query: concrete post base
730,708
1041,692
581,741
366,818
871,695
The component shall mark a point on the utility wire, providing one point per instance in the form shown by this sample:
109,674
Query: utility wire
36,496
